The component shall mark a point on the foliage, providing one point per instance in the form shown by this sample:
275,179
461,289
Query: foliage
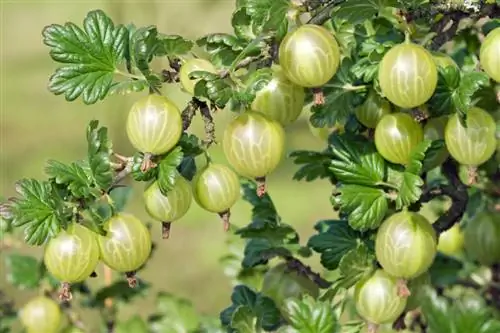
99,57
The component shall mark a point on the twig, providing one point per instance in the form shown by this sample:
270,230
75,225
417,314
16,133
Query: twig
209,123
456,190
446,28
301,268
188,113
242,64
324,14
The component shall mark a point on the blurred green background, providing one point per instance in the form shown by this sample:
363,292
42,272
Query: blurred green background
37,125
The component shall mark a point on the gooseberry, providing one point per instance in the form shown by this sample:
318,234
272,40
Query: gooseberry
406,245
372,110
377,298
171,206
216,188
127,244
451,241
73,254
396,135
279,99
191,65
254,144
472,145
482,238
408,75
416,286
280,284
41,315
154,124
434,130
309,55
489,54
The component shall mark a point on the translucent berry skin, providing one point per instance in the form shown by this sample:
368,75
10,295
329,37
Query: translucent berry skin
482,238
254,144
408,75
170,207
216,188
396,135
475,144
489,54
280,99
127,245
41,315
309,55
73,254
377,300
154,124
191,65
406,245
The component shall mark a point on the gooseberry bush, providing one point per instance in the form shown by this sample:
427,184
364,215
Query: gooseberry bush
406,98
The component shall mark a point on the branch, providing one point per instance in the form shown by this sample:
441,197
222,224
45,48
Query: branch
324,14
456,190
446,28
301,268
209,122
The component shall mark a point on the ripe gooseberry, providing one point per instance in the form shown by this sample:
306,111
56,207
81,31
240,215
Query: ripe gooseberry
396,135
472,145
73,254
434,130
127,244
408,75
216,188
254,145
406,245
171,206
482,238
451,242
279,99
377,298
191,65
281,283
309,55
372,110
154,124
41,315
489,54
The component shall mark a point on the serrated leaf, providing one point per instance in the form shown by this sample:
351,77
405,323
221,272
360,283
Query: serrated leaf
39,209
243,25
311,316
356,160
167,170
266,15
144,44
258,251
176,315
341,98
469,84
89,56
314,165
76,176
365,206
358,11
263,207
173,45
120,291
137,173
127,87
23,272
243,320
356,264
417,156
99,152
222,48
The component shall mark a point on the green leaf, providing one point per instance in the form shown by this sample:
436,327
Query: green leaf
39,209
176,315
140,176
23,272
120,292
76,176
90,56
266,15
491,24
445,270
315,165
469,84
144,44
120,196
134,324
365,206
263,208
243,320
311,316
127,87
222,48
173,45
99,152
356,264
358,11
434,149
341,98
356,160
168,173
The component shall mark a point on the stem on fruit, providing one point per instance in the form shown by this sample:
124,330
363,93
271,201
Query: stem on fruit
261,186
372,328
319,97
471,175
147,163
165,229
225,219
131,279
65,292
403,290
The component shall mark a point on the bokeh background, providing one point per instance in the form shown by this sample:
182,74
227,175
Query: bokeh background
37,125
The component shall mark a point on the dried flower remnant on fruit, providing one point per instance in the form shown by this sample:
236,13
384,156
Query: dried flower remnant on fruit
131,279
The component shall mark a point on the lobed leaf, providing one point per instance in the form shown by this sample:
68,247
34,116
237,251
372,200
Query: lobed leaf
358,11
314,165
167,169
99,152
76,176
356,264
311,316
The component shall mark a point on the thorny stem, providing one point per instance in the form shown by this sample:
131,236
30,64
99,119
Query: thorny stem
209,123
324,14
188,114
456,190
298,266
